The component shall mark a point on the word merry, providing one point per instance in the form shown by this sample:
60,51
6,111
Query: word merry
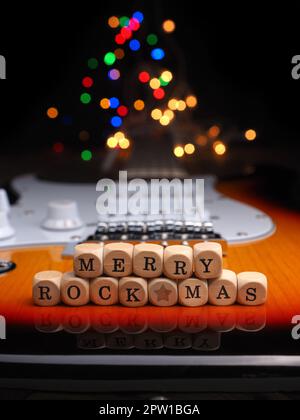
134,276
2,67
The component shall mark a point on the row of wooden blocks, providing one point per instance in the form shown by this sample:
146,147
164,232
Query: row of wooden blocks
146,260
51,288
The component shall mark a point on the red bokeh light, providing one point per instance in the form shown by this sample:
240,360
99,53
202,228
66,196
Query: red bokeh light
87,82
144,77
122,111
159,93
120,40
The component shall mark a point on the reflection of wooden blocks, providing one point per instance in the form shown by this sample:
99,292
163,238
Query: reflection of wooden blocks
192,320
119,341
74,290
75,322
104,291
178,262
193,292
148,260
221,318
252,288
177,341
106,320
118,259
133,321
208,260
91,341
223,290
133,292
163,292
46,288
148,341
88,260
252,319
207,341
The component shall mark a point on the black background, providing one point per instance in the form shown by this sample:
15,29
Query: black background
238,58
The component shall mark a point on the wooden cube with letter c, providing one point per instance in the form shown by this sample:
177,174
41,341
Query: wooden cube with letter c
178,262
88,260
148,260
104,291
74,290
208,260
118,259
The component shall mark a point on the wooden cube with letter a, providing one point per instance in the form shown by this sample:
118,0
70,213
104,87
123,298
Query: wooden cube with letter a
133,292
88,260
178,262
193,292
74,290
252,288
208,260
118,259
46,288
148,260
223,290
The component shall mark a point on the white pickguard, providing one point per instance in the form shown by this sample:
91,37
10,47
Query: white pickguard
236,222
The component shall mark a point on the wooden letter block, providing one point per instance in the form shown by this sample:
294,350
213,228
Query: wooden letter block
118,259
208,260
148,260
252,288
178,262
46,288
223,290
193,292
104,291
88,260
74,290
133,292
163,292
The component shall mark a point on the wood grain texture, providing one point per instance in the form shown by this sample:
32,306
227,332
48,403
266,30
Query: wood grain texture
278,257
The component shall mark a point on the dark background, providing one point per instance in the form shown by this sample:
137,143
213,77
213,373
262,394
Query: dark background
238,61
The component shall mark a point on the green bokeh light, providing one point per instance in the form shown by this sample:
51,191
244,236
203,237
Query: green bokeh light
163,82
93,63
109,58
86,155
152,39
124,21
85,98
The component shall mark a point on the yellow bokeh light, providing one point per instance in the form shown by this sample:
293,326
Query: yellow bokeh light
178,151
139,105
214,132
189,149
170,114
167,76
172,104
181,106
154,83
169,26
219,148
156,114
124,144
250,135
52,113
112,142
165,120
113,22
105,103
119,135
191,101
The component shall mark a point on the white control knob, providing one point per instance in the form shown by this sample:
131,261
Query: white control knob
6,230
4,201
62,215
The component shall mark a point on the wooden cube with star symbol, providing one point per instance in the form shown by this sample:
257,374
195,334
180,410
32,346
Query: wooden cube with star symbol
163,292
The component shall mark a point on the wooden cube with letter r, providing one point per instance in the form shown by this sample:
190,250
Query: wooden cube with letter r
88,260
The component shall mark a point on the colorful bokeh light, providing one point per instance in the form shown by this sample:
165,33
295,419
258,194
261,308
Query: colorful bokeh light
157,54
52,113
189,149
85,98
250,135
93,63
116,121
113,22
109,58
139,105
114,102
105,103
114,74
156,114
144,77
152,40
87,82
122,111
154,83
134,45
119,53
138,16
58,147
124,21
191,101
169,26
178,151
159,94
219,148
86,155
